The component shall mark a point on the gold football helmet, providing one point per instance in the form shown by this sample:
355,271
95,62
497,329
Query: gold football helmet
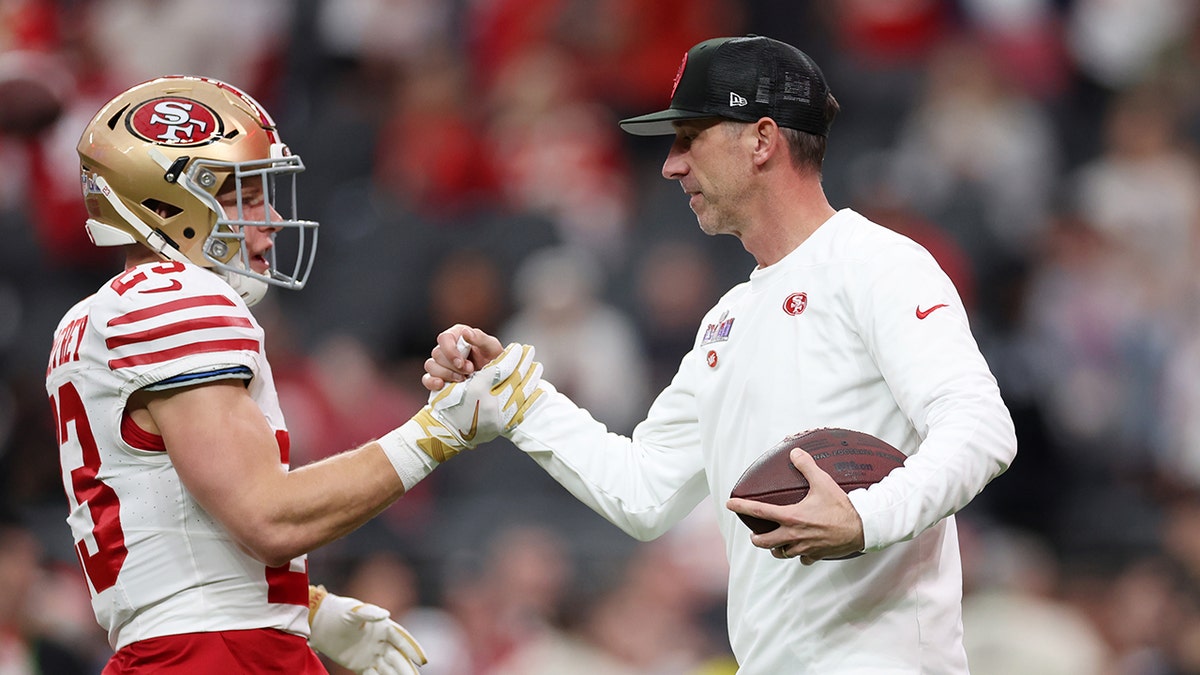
154,160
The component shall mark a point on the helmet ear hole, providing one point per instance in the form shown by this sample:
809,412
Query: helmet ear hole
162,208
189,233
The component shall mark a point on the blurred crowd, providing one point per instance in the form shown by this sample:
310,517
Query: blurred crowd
464,161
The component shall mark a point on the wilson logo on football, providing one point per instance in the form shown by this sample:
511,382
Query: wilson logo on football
175,121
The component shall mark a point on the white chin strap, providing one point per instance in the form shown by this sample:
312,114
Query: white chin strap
251,289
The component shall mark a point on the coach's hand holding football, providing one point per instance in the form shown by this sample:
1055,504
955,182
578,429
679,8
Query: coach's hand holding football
822,525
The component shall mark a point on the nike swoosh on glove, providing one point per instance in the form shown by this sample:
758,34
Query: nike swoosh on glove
361,636
491,401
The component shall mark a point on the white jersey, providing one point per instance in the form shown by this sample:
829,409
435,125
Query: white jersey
156,563
858,327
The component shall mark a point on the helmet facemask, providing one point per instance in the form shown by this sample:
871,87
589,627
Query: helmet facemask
255,194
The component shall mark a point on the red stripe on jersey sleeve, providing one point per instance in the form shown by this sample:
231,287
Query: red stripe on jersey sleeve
177,328
186,350
173,306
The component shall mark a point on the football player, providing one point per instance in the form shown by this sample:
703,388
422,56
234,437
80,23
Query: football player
190,527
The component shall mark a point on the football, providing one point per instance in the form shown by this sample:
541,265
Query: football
852,458
32,93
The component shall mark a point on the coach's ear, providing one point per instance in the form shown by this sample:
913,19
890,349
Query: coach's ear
768,141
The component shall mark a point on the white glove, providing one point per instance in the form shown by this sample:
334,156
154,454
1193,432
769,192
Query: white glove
361,636
493,400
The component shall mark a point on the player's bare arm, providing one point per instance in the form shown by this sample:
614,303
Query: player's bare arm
227,456
822,525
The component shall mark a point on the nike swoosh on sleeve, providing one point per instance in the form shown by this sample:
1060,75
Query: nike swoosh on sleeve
922,313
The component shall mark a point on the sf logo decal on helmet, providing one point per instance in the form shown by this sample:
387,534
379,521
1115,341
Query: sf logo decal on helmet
175,121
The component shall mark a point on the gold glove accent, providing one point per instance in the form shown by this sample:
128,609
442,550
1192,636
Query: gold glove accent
315,595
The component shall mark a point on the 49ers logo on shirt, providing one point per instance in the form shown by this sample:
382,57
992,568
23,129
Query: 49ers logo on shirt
175,121
795,303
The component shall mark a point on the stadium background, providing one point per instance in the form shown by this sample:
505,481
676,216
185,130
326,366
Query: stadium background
465,165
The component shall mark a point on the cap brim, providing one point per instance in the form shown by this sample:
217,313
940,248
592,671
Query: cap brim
659,123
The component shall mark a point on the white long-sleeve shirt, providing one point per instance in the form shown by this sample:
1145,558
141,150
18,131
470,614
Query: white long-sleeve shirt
858,327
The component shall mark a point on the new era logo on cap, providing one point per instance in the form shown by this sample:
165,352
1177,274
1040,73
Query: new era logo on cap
787,86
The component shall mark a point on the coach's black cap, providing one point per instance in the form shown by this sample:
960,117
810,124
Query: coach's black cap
743,79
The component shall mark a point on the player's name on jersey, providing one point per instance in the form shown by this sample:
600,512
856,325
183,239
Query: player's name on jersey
66,343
